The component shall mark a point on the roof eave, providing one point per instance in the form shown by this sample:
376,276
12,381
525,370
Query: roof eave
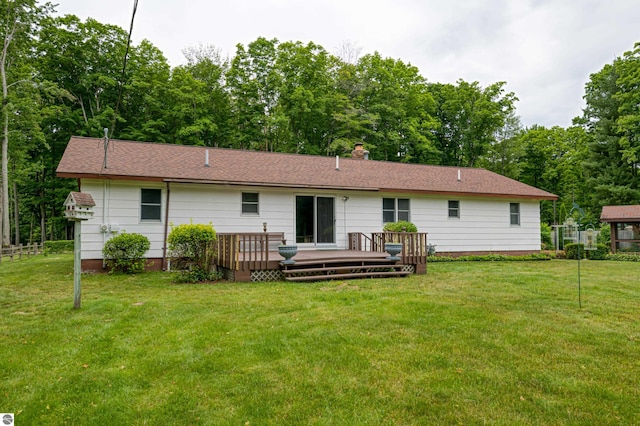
272,184
303,186
620,219
551,197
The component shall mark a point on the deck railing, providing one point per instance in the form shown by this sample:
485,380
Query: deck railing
246,251
414,244
360,242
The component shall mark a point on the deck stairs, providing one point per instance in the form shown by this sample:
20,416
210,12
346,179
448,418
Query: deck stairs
343,268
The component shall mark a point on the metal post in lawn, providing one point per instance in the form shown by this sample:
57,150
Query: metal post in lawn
579,256
572,232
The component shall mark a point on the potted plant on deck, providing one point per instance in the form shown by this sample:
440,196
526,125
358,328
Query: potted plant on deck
394,248
287,251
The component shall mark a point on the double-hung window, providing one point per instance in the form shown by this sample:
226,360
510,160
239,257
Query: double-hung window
250,203
395,209
454,209
514,213
150,205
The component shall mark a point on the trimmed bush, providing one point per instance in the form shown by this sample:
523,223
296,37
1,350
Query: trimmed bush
400,226
60,246
571,251
125,253
191,249
490,258
600,253
624,257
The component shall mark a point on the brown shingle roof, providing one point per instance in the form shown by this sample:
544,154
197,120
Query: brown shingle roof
83,158
82,198
620,214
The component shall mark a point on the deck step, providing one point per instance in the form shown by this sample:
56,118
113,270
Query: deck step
350,260
338,276
349,268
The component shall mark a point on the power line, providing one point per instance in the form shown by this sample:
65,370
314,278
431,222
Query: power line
124,67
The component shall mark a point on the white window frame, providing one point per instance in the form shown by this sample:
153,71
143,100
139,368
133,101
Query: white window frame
396,209
149,204
244,203
455,210
514,216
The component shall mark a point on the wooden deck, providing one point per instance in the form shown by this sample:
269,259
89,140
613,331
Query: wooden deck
254,257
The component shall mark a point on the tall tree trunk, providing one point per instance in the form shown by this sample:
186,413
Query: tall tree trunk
5,151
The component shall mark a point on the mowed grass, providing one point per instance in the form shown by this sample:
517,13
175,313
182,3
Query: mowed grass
468,343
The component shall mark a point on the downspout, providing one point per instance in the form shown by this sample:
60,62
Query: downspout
166,230
344,218
106,194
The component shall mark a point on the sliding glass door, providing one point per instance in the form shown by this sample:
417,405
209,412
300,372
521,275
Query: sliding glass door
315,219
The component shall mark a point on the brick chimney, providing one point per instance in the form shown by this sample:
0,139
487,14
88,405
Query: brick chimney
359,152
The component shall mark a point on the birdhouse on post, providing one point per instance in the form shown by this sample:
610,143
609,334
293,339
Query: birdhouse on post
79,206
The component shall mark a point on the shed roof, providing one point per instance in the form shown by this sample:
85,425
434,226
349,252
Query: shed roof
127,160
620,214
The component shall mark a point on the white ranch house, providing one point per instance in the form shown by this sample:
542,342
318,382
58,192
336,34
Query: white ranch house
315,201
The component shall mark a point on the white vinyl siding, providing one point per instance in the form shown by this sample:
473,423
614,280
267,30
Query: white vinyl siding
484,226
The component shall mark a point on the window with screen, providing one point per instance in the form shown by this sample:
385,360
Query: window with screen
515,213
250,203
454,209
150,205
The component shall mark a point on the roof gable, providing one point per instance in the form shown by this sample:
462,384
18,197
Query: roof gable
84,158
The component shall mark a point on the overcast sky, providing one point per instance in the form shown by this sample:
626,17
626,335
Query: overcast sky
544,49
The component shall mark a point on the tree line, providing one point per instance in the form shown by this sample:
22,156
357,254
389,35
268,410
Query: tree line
62,76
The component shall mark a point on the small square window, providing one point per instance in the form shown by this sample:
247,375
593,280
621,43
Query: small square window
250,203
150,205
514,210
454,208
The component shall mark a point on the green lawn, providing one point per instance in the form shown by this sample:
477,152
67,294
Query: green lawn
469,343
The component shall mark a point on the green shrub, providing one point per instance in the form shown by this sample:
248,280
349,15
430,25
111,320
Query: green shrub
545,236
490,258
571,251
604,236
191,249
60,246
400,226
125,252
600,253
625,257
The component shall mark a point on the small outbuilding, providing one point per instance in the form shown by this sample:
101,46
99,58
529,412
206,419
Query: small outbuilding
625,227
